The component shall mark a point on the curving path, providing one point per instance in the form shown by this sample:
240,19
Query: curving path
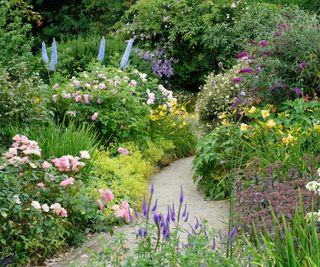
167,190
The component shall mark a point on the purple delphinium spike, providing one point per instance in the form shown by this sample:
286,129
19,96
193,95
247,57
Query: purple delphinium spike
186,218
125,58
151,190
144,207
197,224
184,213
102,49
233,232
54,56
44,53
154,208
181,199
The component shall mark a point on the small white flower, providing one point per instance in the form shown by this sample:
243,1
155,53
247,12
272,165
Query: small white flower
45,207
36,205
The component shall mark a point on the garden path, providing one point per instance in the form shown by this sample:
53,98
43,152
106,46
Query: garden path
167,190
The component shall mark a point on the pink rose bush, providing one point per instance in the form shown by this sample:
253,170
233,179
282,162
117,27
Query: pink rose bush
68,163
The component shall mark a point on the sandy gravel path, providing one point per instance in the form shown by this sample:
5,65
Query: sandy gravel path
167,190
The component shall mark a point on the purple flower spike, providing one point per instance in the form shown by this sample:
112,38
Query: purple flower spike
44,54
140,232
186,218
144,207
154,208
184,213
173,213
102,49
233,232
136,213
145,232
156,218
213,247
181,196
168,218
151,190
242,54
197,224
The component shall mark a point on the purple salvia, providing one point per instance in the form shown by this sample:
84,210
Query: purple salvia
44,54
181,199
102,49
144,207
154,208
125,58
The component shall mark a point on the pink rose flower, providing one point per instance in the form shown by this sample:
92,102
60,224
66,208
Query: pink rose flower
46,165
107,195
123,151
84,154
132,83
67,182
41,185
63,213
94,116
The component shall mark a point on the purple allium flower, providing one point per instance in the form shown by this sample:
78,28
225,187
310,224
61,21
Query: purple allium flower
263,43
242,54
144,207
302,65
44,54
246,70
298,91
197,224
126,55
236,80
181,199
154,208
184,213
242,93
233,232
102,49
151,190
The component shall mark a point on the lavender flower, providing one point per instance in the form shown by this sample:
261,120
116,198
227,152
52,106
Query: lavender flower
181,196
44,54
125,58
102,49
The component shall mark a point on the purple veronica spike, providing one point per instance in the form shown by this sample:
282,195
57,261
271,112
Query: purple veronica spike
102,49
136,213
181,199
130,215
233,232
184,213
213,247
140,232
168,218
154,208
125,58
187,216
173,213
156,218
151,190
144,207
44,54
145,232
197,224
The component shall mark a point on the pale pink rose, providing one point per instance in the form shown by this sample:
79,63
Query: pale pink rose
151,98
118,212
132,83
16,138
63,213
46,165
123,151
56,208
45,207
85,154
36,205
41,185
107,195
86,99
94,116
100,204
78,98
24,159
56,85
67,182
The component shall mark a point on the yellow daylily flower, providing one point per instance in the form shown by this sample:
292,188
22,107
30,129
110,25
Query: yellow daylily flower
270,124
265,113
244,127
252,110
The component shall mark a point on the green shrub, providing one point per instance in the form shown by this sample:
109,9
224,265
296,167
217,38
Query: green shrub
22,100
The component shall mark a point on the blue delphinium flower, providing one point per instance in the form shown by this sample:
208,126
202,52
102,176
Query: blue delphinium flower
44,54
54,56
102,49
125,58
